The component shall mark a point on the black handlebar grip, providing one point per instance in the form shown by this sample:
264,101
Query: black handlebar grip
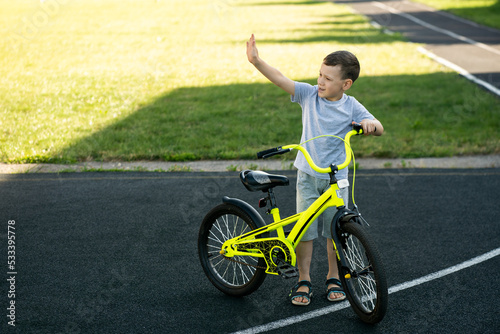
357,127
261,154
279,151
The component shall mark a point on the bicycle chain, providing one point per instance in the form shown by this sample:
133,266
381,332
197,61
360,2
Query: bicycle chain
244,263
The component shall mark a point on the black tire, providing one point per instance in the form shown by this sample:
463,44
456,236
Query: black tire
224,222
366,289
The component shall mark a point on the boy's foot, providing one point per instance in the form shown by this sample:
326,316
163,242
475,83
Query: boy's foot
301,293
334,292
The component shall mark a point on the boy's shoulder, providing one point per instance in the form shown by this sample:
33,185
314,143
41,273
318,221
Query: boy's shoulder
304,92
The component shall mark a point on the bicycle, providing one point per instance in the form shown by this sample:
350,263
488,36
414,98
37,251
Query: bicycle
236,249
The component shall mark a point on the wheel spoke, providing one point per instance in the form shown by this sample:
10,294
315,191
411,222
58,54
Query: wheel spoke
239,270
362,274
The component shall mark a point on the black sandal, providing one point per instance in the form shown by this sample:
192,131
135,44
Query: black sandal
294,293
334,289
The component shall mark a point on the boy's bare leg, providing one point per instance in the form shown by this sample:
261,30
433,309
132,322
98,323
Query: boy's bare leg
304,253
332,267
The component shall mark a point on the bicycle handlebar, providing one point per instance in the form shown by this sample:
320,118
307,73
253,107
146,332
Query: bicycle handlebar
356,130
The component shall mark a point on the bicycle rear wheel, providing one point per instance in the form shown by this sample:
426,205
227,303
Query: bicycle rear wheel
237,276
366,283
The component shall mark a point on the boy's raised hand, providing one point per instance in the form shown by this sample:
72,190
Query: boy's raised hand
252,52
271,73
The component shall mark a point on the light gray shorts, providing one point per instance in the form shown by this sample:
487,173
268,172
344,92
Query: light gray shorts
309,189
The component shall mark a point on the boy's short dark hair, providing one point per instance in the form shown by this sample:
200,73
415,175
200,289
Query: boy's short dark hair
348,62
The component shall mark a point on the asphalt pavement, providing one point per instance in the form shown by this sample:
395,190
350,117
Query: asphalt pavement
117,253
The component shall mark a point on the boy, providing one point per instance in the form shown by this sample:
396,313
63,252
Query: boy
326,109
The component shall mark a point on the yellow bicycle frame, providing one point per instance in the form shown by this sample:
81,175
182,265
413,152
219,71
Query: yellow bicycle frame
257,243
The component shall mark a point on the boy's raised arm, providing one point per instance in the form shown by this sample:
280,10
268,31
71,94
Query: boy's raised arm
271,73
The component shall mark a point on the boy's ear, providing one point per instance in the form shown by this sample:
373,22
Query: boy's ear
347,84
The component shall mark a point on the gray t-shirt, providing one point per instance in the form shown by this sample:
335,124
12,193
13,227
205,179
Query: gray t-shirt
323,117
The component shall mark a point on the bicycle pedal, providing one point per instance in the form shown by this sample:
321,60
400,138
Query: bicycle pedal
287,271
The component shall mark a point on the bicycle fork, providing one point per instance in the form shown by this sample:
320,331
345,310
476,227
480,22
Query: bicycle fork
343,215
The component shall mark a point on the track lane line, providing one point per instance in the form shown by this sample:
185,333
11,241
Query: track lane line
460,71
396,288
437,29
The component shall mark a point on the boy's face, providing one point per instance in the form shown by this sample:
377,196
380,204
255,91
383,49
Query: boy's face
331,86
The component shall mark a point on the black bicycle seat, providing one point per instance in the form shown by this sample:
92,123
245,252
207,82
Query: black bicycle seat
257,180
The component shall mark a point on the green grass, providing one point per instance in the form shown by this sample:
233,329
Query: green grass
169,80
486,12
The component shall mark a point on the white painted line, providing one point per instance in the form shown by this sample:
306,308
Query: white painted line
403,286
433,27
293,320
460,70
444,272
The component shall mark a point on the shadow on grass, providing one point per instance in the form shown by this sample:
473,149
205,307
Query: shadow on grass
339,28
438,114
347,36
280,3
217,122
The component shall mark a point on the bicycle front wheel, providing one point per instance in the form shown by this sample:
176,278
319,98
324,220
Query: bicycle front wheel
237,276
364,279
